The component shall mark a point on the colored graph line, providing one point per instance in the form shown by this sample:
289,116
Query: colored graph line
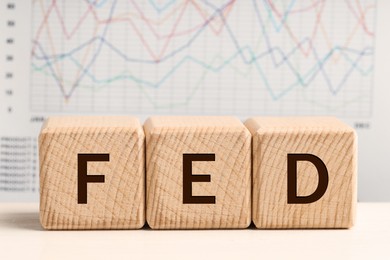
169,36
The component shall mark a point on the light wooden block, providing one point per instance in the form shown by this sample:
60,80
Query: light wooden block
329,139
119,202
167,139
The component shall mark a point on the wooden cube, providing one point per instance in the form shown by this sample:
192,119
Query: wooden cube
290,188
92,173
198,173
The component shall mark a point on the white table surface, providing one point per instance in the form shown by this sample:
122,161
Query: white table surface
21,236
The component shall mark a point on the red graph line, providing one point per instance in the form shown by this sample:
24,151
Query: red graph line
215,23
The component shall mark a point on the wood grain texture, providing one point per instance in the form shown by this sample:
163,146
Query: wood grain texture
333,142
167,139
119,202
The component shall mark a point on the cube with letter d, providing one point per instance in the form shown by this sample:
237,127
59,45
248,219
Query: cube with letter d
92,173
304,172
198,172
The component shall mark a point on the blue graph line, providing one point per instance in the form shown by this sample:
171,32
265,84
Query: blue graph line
313,72
301,79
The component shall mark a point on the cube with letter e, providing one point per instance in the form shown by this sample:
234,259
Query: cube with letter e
198,172
304,172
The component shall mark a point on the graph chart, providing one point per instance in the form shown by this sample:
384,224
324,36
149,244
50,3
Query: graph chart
203,57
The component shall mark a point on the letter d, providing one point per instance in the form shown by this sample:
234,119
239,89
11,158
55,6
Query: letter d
323,178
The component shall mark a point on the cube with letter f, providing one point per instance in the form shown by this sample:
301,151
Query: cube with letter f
92,173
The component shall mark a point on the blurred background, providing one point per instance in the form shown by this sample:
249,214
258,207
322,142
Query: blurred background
193,57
